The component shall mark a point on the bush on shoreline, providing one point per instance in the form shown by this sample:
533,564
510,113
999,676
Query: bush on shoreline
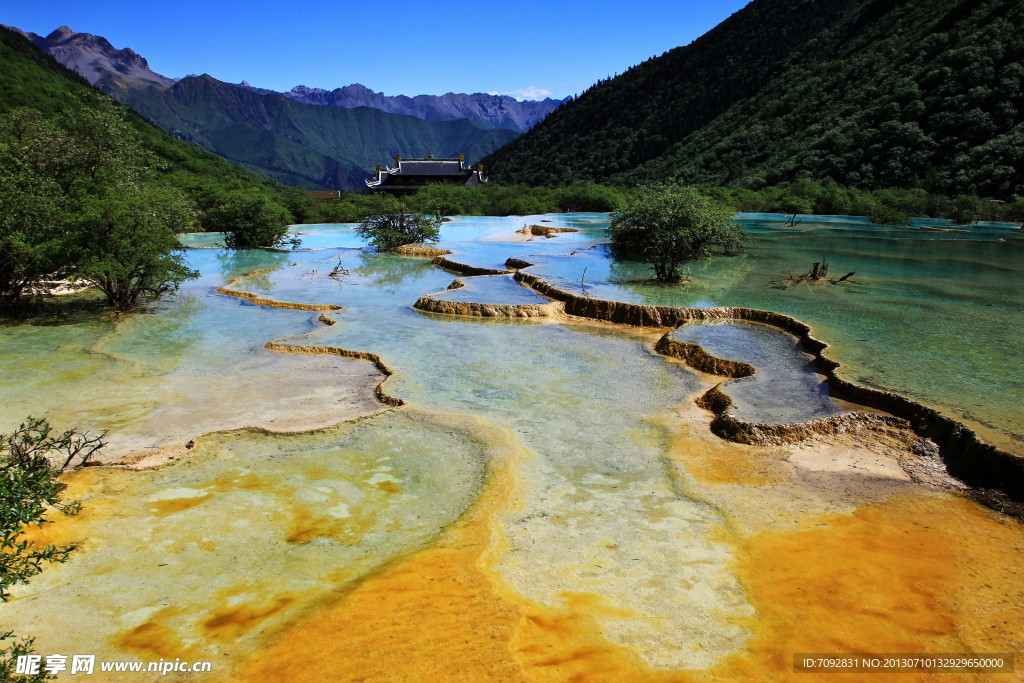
393,225
81,199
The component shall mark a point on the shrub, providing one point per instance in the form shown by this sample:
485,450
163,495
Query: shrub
667,225
391,225
250,220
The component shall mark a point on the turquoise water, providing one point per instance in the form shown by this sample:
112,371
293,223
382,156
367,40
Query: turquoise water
181,361
580,401
931,315
492,289
785,387
596,500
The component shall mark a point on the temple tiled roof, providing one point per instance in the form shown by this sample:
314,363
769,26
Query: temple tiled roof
432,167
411,174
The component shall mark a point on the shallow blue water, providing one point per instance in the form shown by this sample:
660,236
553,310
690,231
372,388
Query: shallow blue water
784,388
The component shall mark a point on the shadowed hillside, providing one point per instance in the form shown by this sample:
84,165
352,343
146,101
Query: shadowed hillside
869,93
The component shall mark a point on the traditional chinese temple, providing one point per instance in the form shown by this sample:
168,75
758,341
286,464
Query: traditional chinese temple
410,175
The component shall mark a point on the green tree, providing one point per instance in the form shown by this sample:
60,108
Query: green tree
883,214
392,224
667,225
588,196
128,246
32,240
32,457
965,209
795,204
9,660
250,221
439,199
78,199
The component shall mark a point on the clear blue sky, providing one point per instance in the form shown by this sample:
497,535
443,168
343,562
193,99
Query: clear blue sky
407,47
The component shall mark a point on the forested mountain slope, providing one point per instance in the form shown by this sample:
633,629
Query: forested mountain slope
312,146
869,93
31,78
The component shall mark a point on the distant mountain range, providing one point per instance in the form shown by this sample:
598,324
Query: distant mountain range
869,93
307,137
487,111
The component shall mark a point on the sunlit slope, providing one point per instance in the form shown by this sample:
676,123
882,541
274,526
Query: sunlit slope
30,78
869,93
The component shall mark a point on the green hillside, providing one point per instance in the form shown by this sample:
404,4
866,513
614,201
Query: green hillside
31,78
868,93
299,144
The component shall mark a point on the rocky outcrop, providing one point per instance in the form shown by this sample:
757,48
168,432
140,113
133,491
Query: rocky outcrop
543,230
431,304
468,308
465,269
728,426
516,263
430,252
699,359
95,59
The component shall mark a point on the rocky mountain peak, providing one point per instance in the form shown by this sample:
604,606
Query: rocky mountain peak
487,111
62,34
95,59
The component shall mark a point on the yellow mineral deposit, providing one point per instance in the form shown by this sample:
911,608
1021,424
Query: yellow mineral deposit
920,572
210,558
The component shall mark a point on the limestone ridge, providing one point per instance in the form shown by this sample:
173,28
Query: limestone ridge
431,304
279,346
258,300
965,454
728,426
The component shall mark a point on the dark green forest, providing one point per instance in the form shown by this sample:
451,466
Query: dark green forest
869,94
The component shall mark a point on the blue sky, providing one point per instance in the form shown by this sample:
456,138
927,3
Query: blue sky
407,47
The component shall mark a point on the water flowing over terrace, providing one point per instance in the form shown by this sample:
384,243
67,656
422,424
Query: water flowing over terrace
550,500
